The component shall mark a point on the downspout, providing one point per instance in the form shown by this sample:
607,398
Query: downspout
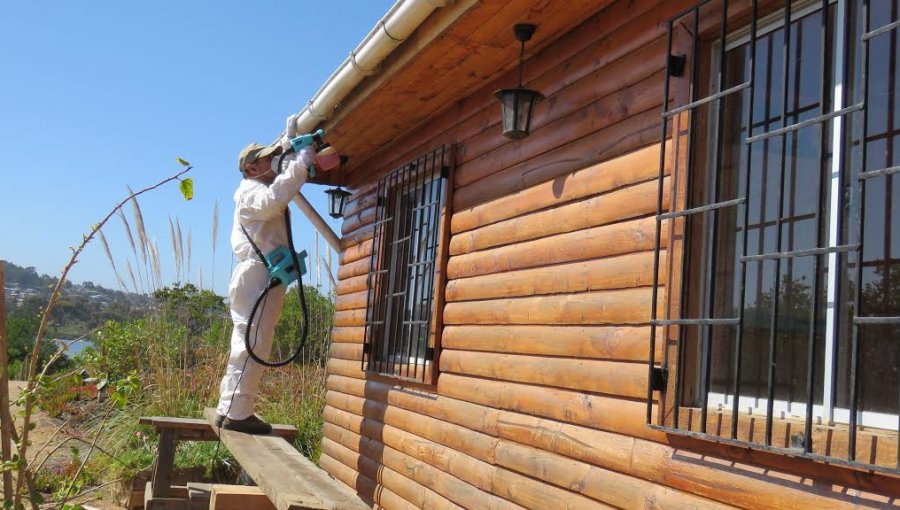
397,24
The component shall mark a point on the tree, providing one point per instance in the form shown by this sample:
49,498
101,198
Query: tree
188,305
22,330
879,352
882,296
289,328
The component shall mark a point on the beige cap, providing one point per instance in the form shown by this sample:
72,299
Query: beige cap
255,151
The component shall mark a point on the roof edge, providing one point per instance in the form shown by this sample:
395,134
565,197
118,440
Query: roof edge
401,20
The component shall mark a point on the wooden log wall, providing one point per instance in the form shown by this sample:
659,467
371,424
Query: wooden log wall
540,402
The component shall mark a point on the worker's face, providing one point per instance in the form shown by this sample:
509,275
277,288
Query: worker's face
261,170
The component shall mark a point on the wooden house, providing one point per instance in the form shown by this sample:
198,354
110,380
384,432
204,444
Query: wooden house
679,290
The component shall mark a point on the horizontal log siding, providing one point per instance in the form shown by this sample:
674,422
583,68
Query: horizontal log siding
620,205
626,343
363,485
357,252
642,166
495,459
622,272
353,284
571,433
540,399
400,482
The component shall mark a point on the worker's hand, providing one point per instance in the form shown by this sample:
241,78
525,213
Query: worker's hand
285,143
290,131
307,157
294,167
290,128
296,162
283,161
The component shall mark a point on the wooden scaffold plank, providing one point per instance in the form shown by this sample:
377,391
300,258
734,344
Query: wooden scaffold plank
288,479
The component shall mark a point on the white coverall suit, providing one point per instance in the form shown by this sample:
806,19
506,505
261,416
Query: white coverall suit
260,209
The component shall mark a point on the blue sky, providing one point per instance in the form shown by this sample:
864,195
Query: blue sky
101,95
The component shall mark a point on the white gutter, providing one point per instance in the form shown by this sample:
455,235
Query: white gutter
399,23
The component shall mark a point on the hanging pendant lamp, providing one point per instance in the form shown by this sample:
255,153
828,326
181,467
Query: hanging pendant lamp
517,104
337,197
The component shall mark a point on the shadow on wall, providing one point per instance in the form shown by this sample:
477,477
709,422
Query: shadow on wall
809,476
371,446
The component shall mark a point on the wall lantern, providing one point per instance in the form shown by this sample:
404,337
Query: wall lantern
337,197
518,103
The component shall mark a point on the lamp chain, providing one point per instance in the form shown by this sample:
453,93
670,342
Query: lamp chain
521,59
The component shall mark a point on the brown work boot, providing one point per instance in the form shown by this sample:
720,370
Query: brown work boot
251,425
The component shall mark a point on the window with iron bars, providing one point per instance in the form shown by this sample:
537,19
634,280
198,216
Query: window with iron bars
401,326
780,330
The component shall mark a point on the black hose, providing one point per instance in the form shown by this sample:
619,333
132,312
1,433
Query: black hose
274,282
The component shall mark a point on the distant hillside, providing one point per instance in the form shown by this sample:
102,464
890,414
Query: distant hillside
81,307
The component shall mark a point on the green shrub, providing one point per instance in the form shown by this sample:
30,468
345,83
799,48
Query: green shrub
179,351
289,328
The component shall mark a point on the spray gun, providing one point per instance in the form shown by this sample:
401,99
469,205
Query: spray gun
326,157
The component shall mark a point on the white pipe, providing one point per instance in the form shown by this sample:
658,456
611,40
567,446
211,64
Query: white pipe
318,264
399,23
330,276
328,272
330,237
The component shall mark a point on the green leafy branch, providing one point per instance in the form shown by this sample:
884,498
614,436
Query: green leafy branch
186,186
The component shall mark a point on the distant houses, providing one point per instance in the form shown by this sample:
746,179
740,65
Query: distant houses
17,293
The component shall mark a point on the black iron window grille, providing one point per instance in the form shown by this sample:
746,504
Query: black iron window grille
399,336
780,330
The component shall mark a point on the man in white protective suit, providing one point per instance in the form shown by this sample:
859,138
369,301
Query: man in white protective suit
259,205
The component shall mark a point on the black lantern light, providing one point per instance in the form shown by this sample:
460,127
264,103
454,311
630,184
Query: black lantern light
518,103
337,197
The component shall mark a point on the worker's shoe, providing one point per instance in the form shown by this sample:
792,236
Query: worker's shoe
219,419
251,425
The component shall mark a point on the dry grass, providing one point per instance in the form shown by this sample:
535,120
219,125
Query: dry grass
112,261
179,251
189,254
131,274
175,249
130,237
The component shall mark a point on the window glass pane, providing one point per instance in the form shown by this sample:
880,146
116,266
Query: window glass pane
880,285
784,194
